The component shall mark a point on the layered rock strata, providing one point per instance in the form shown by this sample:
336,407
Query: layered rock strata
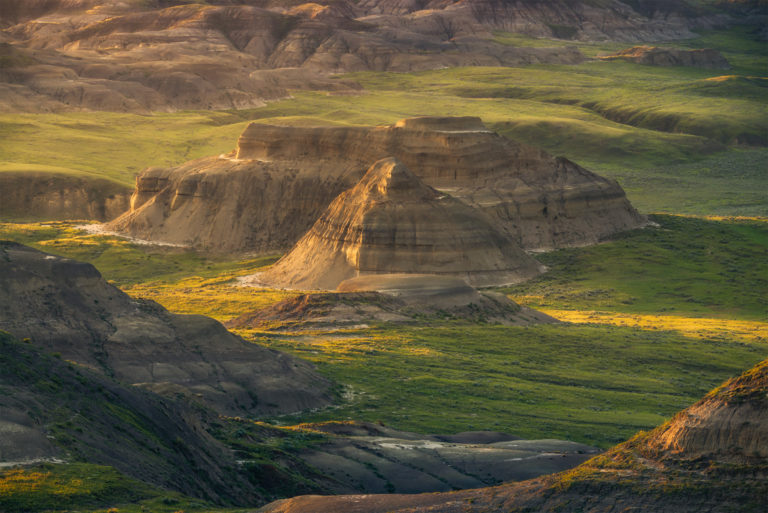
282,179
391,222
145,56
730,424
64,306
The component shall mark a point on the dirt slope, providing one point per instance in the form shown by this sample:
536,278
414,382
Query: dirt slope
655,56
30,195
143,56
51,408
66,307
392,299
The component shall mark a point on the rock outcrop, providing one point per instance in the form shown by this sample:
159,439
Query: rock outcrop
144,56
729,425
281,179
400,298
655,56
167,55
66,307
32,196
710,457
390,223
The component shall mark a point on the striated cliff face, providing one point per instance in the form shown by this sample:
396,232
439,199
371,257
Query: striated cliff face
391,222
66,307
711,457
167,55
46,196
220,204
283,178
563,19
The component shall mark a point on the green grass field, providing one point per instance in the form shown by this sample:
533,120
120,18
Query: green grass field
111,145
595,384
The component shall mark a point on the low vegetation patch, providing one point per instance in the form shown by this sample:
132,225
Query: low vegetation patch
58,487
592,384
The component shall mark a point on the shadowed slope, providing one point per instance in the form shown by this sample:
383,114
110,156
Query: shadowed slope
391,298
655,56
51,408
140,56
66,307
145,55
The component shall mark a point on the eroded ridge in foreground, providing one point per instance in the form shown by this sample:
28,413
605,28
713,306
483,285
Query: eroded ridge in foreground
66,307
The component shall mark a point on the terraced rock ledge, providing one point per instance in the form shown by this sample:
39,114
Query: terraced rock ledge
280,179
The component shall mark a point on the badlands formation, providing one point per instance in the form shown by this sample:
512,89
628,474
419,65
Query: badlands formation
281,179
54,410
711,457
392,223
66,307
151,55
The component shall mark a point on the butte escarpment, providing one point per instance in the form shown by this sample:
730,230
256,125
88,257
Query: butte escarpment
390,223
711,457
66,307
281,179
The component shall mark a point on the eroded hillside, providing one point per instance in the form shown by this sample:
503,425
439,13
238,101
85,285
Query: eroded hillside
145,56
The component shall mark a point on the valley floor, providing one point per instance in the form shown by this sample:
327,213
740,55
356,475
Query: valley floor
652,319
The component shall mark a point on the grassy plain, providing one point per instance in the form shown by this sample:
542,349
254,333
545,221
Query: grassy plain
660,316
688,267
112,145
